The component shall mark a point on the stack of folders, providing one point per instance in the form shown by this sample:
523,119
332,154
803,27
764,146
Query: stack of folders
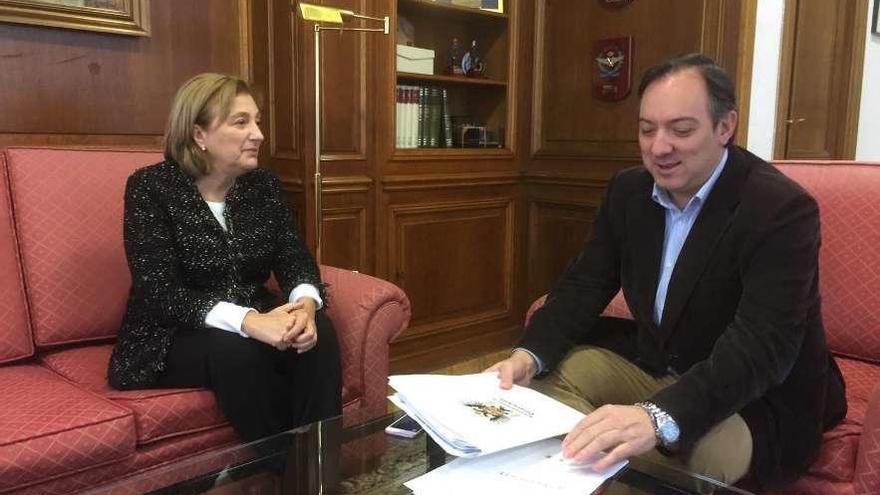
505,438
470,415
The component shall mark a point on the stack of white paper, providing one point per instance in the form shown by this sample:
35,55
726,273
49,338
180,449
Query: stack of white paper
534,469
470,415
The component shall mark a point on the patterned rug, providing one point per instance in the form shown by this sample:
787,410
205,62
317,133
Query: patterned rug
403,460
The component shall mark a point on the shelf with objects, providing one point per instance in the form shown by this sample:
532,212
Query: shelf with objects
453,62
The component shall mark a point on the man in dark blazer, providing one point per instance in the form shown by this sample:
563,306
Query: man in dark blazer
724,368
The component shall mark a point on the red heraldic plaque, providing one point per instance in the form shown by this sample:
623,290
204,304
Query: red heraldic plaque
612,68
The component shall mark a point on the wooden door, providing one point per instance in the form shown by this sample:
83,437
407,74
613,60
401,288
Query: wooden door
820,79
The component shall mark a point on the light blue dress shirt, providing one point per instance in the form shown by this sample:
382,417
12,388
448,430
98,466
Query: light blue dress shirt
678,225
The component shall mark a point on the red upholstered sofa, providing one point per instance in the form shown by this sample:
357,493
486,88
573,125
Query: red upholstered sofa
849,277
63,286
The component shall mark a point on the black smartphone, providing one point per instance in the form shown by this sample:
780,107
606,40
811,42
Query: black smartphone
404,426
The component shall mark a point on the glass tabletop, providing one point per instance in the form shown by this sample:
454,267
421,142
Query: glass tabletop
329,458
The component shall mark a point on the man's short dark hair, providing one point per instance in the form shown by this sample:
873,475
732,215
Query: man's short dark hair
722,98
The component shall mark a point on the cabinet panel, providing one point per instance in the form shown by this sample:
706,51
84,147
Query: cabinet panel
344,88
345,237
348,215
560,218
454,260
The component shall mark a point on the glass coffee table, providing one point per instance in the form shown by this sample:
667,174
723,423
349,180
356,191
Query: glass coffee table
327,458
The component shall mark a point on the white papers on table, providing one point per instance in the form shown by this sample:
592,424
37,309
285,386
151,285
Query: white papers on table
470,415
533,469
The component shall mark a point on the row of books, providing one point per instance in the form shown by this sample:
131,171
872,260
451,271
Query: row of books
423,118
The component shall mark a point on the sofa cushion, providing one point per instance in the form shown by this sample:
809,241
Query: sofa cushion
15,330
850,216
49,427
68,211
158,413
837,459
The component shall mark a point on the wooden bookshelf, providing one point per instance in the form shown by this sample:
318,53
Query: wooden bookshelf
478,101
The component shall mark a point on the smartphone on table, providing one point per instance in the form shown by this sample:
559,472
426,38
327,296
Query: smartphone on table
404,426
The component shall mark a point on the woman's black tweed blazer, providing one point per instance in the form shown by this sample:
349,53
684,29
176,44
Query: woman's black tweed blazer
183,263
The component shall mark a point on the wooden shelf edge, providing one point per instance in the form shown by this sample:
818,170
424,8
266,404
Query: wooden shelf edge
412,76
455,9
412,154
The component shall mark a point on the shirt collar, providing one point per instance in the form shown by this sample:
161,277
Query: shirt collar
661,196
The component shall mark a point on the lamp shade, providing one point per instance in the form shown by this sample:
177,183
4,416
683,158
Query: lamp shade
320,13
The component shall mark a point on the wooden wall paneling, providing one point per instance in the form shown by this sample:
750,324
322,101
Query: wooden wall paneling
560,218
343,95
345,106
571,123
65,86
348,220
451,249
287,68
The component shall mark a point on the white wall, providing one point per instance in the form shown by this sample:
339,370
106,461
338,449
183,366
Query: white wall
765,83
868,141
765,77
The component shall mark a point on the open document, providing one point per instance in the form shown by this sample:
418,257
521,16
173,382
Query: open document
534,469
470,415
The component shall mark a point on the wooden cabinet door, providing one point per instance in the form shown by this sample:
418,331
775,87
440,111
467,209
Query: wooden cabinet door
820,79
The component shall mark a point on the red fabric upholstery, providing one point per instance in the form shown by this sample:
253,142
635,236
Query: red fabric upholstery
850,214
867,473
15,328
367,314
617,308
849,462
49,427
158,413
178,451
63,284
68,210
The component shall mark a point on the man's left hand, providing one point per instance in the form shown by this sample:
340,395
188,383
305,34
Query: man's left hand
621,431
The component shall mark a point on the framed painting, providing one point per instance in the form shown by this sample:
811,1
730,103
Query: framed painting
131,17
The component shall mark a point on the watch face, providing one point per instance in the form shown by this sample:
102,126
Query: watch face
669,432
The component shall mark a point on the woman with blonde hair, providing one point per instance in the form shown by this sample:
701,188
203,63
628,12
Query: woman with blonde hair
203,231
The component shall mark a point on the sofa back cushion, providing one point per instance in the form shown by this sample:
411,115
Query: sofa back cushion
849,259
68,209
15,330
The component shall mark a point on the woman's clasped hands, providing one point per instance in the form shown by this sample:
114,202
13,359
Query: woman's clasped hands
291,325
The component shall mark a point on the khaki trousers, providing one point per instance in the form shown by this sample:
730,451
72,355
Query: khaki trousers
590,377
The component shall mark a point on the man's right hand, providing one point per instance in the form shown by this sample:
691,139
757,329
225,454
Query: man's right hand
518,369
270,327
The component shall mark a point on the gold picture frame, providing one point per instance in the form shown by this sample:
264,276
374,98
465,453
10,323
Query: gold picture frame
129,17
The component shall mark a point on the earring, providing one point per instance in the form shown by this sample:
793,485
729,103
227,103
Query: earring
204,148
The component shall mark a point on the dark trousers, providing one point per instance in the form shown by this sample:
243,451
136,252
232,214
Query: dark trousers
261,390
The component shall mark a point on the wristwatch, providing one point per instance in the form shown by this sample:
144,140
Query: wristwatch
665,428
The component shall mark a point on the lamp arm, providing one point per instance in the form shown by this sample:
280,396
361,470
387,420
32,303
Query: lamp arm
340,29
367,17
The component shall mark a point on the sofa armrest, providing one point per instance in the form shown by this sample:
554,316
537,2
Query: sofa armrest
536,305
866,478
368,314
616,308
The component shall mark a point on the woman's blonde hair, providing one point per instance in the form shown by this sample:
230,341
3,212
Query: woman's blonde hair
200,101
